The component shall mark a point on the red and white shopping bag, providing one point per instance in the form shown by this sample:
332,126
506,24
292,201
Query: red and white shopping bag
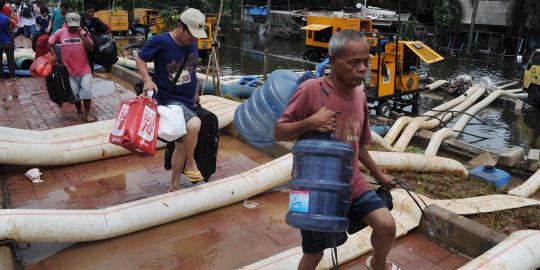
136,126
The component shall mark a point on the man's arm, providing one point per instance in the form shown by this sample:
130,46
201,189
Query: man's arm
51,42
149,85
322,121
380,176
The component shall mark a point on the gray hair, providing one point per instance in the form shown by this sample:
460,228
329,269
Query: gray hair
338,41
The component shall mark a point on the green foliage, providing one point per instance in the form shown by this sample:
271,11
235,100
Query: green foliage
170,19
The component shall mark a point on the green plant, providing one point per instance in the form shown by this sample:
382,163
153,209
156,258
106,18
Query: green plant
170,19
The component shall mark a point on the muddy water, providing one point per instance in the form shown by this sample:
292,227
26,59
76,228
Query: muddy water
502,129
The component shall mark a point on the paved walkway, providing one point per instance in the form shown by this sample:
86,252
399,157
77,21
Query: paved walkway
25,104
226,238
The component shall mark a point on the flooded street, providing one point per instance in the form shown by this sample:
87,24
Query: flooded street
502,127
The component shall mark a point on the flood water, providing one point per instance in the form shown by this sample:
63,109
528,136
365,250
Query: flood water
502,129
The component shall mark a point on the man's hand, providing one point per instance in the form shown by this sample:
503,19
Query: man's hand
82,32
386,180
324,120
149,85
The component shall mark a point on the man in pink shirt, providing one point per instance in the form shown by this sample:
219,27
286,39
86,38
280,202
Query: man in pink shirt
338,104
74,43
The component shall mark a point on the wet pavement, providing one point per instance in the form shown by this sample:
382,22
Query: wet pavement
25,104
225,238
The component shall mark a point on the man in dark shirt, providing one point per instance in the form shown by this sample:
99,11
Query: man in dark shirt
175,53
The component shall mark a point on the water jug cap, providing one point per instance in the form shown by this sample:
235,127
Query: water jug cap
489,169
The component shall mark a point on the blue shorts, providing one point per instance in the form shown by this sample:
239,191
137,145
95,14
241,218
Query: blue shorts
313,242
81,87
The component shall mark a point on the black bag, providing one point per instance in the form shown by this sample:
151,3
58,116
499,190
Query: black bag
105,52
58,85
27,11
207,145
386,196
208,142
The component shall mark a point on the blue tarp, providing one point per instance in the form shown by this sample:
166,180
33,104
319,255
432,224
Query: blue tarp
257,11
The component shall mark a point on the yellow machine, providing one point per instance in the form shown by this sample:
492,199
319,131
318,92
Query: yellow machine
320,29
531,79
395,86
393,80
117,20
150,18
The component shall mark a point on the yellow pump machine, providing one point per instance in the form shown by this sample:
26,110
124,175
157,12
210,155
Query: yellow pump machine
393,81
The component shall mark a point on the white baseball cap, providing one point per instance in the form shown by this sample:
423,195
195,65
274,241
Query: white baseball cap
73,19
195,21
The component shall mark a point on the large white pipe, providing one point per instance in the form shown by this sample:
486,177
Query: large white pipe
419,123
530,187
520,251
36,225
394,161
376,139
82,143
442,134
29,225
436,84
398,126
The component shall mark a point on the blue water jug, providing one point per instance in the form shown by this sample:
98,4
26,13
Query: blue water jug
491,174
320,187
256,118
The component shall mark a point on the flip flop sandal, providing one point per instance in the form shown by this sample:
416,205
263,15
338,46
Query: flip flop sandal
193,176
368,264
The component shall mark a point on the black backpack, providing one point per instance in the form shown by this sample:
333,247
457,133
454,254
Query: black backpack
105,52
58,85
207,145
27,11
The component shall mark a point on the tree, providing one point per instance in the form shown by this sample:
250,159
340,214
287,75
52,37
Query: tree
524,15
471,28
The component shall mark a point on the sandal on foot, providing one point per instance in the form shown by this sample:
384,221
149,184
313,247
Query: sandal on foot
193,176
368,264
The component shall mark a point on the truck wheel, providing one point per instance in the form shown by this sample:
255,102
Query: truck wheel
415,102
314,56
384,108
533,98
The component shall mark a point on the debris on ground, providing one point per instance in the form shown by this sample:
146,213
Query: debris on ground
460,84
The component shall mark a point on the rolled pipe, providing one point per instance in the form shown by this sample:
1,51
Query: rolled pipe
398,126
72,145
508,85
519,251
23,63
393,161
419,123
530,187
442,134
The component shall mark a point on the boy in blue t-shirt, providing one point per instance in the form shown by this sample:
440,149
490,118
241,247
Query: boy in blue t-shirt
6,43
175,53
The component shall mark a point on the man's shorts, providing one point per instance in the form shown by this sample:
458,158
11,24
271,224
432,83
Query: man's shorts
313,242
188,112
81,87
